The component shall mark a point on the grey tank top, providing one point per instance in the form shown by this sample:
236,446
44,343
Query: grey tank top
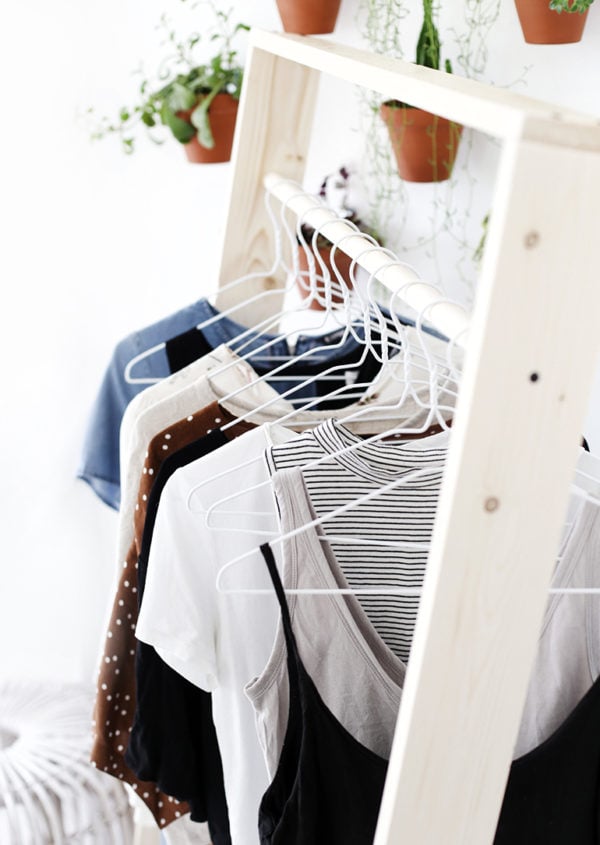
568,658
362,676
360,680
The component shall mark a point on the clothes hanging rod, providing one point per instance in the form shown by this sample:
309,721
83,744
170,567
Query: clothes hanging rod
448,317
495,111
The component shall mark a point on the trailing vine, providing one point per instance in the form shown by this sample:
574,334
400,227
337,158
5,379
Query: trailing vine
393,205
381,24
472,43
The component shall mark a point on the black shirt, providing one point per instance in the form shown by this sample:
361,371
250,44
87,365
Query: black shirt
553,792
327,787
357,365
173,740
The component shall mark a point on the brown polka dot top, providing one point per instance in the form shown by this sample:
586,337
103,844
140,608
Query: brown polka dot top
115,698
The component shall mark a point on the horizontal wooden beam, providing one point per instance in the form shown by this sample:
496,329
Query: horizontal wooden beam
495,111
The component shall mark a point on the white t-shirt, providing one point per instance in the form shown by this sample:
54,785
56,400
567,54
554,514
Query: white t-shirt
218,641
183,831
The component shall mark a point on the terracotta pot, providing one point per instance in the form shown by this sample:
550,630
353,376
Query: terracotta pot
424,144
222,115
541,25
308,17
342,262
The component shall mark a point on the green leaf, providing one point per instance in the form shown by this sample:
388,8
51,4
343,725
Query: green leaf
180,98
181,129
124,115
428,45
560,6
148,119
200,119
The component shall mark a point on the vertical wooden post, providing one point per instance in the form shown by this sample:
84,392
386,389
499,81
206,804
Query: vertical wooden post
532,350
273,133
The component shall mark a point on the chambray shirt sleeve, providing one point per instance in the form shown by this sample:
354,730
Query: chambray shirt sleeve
99,462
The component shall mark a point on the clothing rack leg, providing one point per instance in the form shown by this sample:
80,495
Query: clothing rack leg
531,354
272,133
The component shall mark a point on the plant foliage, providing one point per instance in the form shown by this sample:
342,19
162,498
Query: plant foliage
580,6
443,244
188,87
428,46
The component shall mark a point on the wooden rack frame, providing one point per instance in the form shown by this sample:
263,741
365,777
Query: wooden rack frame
532,348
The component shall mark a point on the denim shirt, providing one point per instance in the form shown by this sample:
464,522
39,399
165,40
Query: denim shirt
99,460
99,463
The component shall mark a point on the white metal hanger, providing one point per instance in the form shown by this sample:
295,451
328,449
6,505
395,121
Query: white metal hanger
131,379
409,426
380,350
263,326
436,414
429,297
218,506
585,485
349,319
363,247
295,273
401,279
280,539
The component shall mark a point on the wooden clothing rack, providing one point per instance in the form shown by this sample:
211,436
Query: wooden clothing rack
530,356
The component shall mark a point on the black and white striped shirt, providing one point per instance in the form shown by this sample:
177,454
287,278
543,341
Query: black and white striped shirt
404,514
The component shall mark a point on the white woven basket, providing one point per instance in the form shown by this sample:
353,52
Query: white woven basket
49,792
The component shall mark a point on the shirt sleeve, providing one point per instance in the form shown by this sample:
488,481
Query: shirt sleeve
179,611
99,460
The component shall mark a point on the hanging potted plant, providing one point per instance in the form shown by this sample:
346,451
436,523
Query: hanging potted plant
196,102
316,249
424,144
552,21
308,17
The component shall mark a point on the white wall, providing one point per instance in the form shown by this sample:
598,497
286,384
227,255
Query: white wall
94,245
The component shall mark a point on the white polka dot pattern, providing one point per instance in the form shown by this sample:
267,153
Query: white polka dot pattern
116,681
